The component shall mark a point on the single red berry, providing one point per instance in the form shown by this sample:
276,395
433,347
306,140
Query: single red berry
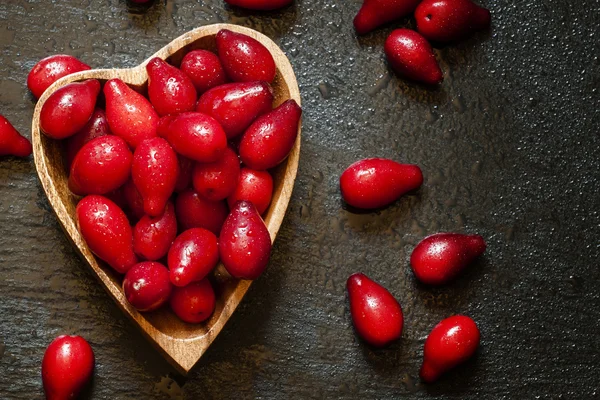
244,242
450,20
192,256
106,231
376,314
195,302
375,13
261,5
204,69
146,285
411,56
197,136
217,180
130,115
50,69
269,140
452,342
244,58
377,182
67,367
11,141
194,211
102,165
236,105
439,258
97,126
170,90
154,172
255,187
153,236
68,109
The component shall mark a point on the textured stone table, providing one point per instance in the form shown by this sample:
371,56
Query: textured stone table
510,149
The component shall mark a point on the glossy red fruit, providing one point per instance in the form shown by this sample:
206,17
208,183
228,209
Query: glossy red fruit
192,256
146,285
244,242
453,341
130,115
217,180
236,105
375,13
377,182
204,69
194,211
67,367
184,179
376,314
11,141
154,172
68,109
50,69
255,187
261,5
197,136
269,140
411,56
170,90
439,258
195,302
244,58
450,20
101,166
135,202
162,129
106,231
97,126
153,236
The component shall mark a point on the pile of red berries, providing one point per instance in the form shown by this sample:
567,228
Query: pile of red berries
174,181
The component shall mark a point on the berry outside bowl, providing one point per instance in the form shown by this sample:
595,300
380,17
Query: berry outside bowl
182,344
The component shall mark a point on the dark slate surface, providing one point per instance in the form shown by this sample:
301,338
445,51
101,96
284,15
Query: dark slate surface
510,149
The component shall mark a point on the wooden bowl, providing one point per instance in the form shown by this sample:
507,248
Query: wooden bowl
181,343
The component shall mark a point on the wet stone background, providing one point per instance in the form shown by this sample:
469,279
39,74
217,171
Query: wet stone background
510,149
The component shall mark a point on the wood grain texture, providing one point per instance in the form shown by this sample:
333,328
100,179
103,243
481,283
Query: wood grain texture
181,343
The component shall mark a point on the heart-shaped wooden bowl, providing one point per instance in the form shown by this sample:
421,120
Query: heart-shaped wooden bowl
181,343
